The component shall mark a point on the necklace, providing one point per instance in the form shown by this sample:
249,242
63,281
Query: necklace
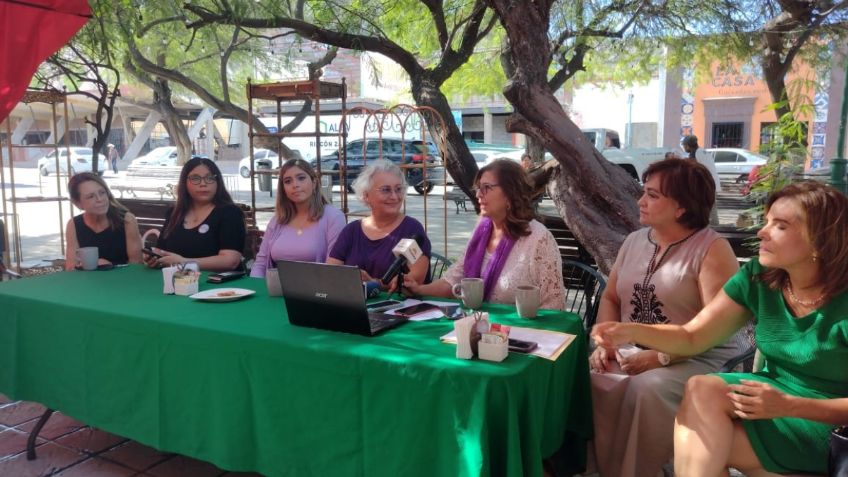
796,300
644,296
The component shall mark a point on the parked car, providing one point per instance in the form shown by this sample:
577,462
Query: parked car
261,157
516,156
485,156
736,163
81,161
159,157
405,151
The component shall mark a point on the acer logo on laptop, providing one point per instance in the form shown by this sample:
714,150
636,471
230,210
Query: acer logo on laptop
321,295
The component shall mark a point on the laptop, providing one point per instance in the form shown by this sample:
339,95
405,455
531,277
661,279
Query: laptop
330,297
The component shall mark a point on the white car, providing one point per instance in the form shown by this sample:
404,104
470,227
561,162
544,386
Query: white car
516,156
261,157
159,157
736,163
80,161
485,156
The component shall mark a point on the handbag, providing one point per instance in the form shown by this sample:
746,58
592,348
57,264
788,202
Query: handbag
837,460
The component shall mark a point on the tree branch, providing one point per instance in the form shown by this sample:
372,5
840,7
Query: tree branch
384,46
437,12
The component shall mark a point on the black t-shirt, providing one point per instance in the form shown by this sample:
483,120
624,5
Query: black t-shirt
111,244
223,229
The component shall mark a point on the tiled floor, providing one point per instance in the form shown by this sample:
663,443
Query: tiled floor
68,448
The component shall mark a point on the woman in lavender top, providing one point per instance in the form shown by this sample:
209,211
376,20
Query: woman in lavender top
304,228
368,243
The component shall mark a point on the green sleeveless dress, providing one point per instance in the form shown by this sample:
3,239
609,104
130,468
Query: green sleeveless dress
806,357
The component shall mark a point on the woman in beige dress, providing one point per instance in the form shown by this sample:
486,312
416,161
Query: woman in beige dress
664,273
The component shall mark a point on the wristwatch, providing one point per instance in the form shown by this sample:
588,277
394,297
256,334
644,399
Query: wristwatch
663,358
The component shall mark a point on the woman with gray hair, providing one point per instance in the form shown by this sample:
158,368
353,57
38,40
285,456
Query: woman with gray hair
368,243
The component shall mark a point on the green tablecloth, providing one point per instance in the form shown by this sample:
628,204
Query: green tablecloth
235,384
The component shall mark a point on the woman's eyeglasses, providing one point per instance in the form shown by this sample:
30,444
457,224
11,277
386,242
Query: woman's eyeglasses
484,189
387,191
209,179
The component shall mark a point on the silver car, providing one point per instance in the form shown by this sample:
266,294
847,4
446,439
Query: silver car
165,156
81,161
261,157
736,164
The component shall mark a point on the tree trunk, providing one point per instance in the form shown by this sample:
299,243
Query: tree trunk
105,107
129,132
774,75
596,198
172,120
458,159
536,150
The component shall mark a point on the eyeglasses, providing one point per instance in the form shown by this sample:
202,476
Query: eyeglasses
484,189
209,179
387,191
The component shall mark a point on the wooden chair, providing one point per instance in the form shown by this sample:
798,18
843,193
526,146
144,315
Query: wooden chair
583,289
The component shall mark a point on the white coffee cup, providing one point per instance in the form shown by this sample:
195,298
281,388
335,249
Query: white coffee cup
272,281
87,258
527,300
470,291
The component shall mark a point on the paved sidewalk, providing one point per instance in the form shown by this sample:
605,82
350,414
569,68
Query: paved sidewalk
69,448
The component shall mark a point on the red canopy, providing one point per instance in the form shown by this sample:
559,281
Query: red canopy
30,31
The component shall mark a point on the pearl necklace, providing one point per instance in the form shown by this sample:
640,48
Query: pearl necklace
796,300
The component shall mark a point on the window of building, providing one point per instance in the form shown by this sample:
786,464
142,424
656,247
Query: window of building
36,137
727,134
474,136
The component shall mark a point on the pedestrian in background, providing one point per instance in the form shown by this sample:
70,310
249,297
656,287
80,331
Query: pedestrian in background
112,157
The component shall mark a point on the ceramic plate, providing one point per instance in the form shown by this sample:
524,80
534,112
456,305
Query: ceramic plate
222,294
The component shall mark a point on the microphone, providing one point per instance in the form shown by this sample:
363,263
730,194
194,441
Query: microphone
407,251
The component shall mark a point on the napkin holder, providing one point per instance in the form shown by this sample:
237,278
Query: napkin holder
464,327
468,331
494,351
183,270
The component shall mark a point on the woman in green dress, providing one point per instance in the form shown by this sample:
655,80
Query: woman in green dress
776,420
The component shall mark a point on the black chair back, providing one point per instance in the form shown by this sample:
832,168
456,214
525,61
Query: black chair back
438,265
583,289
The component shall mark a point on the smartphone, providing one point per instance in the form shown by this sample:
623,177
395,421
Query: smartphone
415,309
452,311
224,276
382,305
149,251
522,346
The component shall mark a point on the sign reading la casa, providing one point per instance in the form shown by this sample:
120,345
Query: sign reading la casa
724,78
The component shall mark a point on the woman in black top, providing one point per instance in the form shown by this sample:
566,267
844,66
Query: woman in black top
204,226
104,223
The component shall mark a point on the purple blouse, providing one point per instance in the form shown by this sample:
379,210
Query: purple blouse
282,242
353,247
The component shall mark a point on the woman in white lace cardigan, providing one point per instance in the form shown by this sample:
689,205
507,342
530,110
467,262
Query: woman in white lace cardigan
508,247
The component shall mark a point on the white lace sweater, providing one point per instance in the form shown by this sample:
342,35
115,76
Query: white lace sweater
534,260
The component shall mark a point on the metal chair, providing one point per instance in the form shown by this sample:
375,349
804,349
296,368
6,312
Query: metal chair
583,289
438,265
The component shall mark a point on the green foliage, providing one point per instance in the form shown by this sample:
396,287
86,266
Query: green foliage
483,74
787,152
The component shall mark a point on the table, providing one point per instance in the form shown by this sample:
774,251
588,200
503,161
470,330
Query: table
235,384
